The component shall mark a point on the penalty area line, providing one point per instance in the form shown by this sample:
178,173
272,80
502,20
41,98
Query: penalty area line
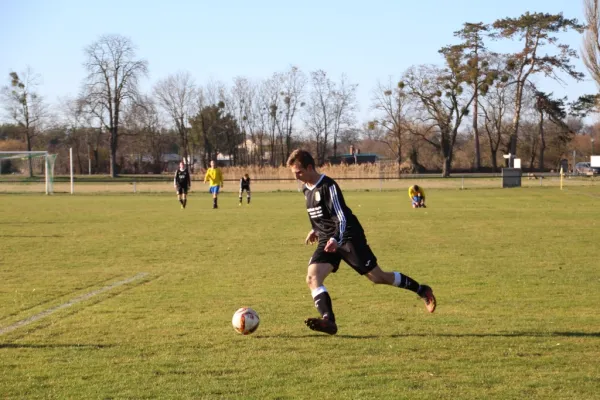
69,303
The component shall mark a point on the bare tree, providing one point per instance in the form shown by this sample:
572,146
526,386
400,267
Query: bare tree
151,140
320,111
79,127
590,51
293,83
496,110
176,95
112,81
25,106
271,109
392,103
343,107
442,104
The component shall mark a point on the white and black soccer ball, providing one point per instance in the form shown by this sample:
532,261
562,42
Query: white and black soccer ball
245,321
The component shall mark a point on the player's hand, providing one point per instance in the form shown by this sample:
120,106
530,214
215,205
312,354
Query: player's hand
331,246
311,238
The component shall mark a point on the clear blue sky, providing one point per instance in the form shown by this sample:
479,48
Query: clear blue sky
219,40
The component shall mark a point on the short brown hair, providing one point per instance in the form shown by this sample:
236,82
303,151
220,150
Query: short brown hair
303,156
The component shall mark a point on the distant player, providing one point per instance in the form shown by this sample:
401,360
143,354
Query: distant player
417,196
340,237
213,174
245,186
182,183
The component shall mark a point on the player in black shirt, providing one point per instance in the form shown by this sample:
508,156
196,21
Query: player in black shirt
182,183
339,236
245,185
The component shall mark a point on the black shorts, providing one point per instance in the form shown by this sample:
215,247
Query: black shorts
182,189
244,187
355,252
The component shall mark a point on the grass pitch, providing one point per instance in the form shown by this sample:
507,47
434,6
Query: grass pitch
516,273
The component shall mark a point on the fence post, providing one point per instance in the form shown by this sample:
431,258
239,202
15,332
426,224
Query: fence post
134,188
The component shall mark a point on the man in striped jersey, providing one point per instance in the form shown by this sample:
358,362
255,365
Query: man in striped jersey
339,236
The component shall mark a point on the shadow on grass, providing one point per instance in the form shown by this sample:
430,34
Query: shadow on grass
53,346
442,335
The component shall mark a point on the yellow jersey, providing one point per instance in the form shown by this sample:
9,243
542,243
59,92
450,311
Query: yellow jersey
412,192
214,176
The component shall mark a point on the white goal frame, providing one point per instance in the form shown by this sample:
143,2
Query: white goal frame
48,164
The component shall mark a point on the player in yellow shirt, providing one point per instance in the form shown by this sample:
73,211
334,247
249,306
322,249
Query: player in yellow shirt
213,174
417,196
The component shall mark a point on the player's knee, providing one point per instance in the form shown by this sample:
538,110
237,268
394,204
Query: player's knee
312,281
375,278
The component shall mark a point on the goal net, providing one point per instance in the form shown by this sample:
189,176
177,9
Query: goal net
27,170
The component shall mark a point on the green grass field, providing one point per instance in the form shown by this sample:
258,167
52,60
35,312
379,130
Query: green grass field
516,273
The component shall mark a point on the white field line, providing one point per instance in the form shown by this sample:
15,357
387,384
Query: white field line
69,303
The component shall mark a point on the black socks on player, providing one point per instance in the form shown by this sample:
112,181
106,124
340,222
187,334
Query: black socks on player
405,282
323,303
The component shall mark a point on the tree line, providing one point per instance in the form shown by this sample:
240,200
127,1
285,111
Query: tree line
478,98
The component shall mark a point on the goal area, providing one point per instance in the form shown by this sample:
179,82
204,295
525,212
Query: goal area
29,171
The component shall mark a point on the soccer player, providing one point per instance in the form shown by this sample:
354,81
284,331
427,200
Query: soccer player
245,185
182,183
339,236
417,196
213,174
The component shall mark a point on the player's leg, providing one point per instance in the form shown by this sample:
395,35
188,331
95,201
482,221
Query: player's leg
315,278
240,196
248,195
184,197
214,190
358,254
179,194
402,281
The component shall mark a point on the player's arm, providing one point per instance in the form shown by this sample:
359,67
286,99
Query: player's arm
333,200
312,237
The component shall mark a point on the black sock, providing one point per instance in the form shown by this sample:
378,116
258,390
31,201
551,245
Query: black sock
181,201
240,199
184,202
324,306
405,282
248,200
214,202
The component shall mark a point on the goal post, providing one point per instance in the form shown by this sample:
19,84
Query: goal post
21,167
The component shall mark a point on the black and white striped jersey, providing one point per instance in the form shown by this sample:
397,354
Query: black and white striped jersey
329,215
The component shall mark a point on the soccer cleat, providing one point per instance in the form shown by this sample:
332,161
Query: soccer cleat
321,325
426,293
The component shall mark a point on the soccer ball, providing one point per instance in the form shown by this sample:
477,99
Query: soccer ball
245,321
